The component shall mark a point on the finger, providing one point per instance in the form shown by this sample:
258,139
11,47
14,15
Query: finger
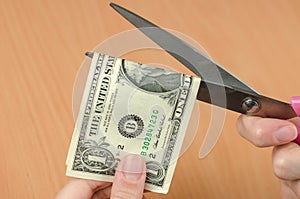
286,161
129,178
286,192
263,132
80,189
103,193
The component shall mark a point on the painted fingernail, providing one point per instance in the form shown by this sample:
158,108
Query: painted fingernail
286,133
133,167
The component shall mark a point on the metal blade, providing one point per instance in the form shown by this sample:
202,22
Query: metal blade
184,53
218,86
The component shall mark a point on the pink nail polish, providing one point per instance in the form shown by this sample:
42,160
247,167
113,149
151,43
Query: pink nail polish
295,101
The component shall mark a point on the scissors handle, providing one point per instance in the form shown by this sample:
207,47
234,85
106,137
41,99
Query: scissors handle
295,102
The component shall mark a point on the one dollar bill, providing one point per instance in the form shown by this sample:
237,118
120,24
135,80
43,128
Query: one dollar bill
129,107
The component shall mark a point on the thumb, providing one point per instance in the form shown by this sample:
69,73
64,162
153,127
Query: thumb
129,178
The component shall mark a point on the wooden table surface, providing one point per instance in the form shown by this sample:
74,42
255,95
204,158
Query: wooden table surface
42,48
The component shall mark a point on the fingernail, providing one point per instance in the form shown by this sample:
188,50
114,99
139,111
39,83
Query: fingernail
133,167
297,140
286,133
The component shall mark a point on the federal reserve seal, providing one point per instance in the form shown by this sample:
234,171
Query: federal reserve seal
131,126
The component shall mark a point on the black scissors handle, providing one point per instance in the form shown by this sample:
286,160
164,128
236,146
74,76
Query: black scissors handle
244,102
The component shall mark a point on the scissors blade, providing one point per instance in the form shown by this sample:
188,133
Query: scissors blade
184,53
218,87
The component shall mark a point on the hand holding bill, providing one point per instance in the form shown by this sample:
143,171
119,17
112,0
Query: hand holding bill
128,183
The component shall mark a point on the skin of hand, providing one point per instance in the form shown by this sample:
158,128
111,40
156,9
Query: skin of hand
129,182
265,132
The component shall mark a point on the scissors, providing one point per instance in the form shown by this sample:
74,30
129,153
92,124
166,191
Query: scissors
218,86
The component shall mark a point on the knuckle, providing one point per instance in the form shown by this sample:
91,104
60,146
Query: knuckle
258,138
280,166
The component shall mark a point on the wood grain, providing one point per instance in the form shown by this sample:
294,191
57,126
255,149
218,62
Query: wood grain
42,48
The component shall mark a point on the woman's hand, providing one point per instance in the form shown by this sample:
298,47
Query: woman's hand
264,132
128,183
